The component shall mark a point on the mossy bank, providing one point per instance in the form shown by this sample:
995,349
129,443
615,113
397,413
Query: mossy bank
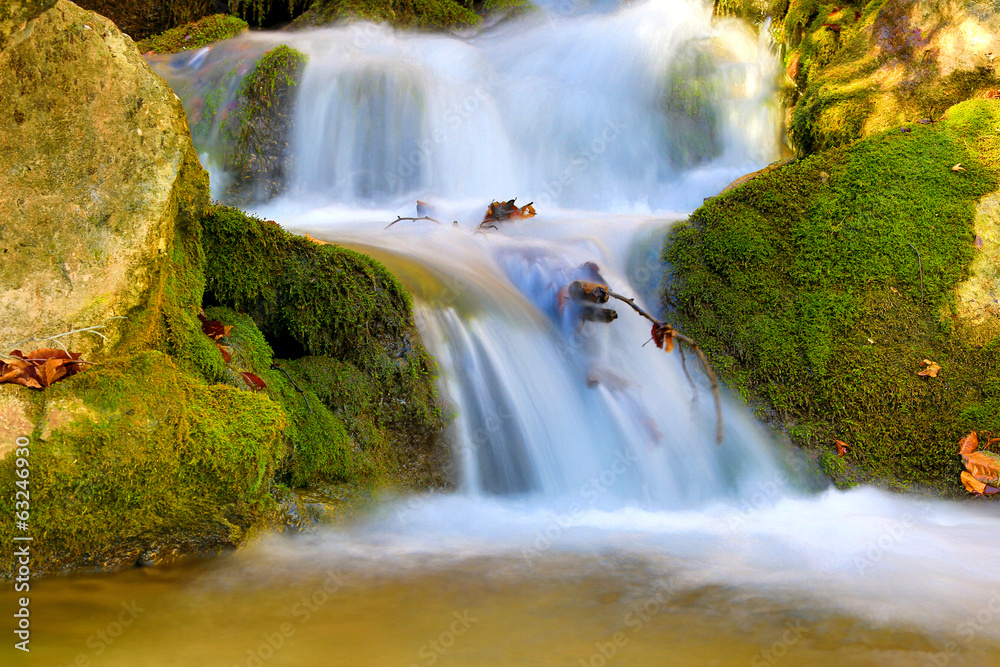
818,288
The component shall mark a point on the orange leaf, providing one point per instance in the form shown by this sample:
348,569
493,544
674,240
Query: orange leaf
842,447
931,368
972,485
226,356
51,371
316,241
969,443
984,466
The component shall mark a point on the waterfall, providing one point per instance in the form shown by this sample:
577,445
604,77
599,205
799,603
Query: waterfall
615,121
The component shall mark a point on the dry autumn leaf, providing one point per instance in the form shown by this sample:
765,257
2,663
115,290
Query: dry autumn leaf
214,329
973,485
842,447
982,469
315,240
958,167
930,368
39,368
969,444
663,336
255,382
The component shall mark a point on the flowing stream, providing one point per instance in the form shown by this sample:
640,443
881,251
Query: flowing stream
597,521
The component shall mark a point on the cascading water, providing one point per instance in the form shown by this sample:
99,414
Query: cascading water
578,439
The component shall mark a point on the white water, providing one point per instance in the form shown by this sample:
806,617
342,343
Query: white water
569,112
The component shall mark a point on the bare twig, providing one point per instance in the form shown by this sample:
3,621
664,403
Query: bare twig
424,217
920,265
697,349
276,367
56,337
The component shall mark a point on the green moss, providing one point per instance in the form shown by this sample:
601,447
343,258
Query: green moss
349,316
137,453
804,287
202,32
168,320
318,447
401,13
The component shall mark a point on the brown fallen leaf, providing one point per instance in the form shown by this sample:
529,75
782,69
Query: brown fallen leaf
931,368
214,329
958,167
979,242
663,337
255,382
507,210
894,290
973,485
842,447
39,368
226,354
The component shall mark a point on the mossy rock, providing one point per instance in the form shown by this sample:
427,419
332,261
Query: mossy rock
260,130
400,13
857,69
204,31
818,288
345,327
318,445
136,456
95,204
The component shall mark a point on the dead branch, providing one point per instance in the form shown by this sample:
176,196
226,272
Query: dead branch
697,349
56,337
423,217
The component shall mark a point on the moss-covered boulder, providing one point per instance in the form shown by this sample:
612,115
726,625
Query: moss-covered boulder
818,288
194,35
260,130
344,326
99,172
854,69
137,457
